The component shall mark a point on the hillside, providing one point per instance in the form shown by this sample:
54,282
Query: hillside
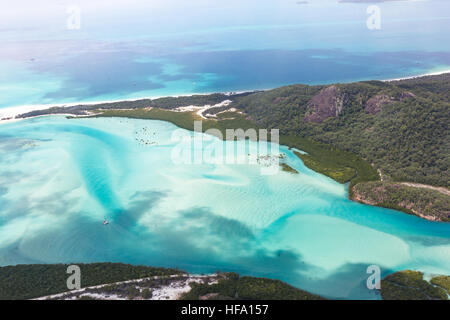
401,127
359,132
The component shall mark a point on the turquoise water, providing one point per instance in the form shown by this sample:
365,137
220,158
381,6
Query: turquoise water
60,178
132,49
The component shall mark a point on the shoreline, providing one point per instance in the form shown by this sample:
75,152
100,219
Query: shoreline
9,114
199,112
436,73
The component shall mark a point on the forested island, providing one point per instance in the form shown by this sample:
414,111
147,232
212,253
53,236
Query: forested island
388,139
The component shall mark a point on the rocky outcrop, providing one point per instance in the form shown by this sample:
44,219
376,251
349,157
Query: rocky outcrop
329,102
375,104
406,95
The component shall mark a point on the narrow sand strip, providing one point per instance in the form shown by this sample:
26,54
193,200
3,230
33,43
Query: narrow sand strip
171,291
425,186
9,114
419,76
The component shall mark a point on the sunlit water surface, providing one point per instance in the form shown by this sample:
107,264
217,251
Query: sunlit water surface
60,178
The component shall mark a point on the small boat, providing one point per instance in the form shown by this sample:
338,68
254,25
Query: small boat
105,222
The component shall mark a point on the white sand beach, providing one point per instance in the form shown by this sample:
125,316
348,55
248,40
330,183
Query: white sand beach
419,76
10,114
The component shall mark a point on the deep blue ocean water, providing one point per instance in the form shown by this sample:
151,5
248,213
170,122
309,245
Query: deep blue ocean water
132,49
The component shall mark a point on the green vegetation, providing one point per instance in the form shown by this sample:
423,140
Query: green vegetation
232,286
146,294
420,201
399,127
194,100
408,139
340,174
31,281
409,285
183,120
287,168
339,165
140,289
442,281
161,103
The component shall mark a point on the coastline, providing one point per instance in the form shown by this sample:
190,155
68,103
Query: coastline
9,114
436,73
318,165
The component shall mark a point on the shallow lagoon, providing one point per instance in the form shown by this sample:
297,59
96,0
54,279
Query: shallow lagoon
60,178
